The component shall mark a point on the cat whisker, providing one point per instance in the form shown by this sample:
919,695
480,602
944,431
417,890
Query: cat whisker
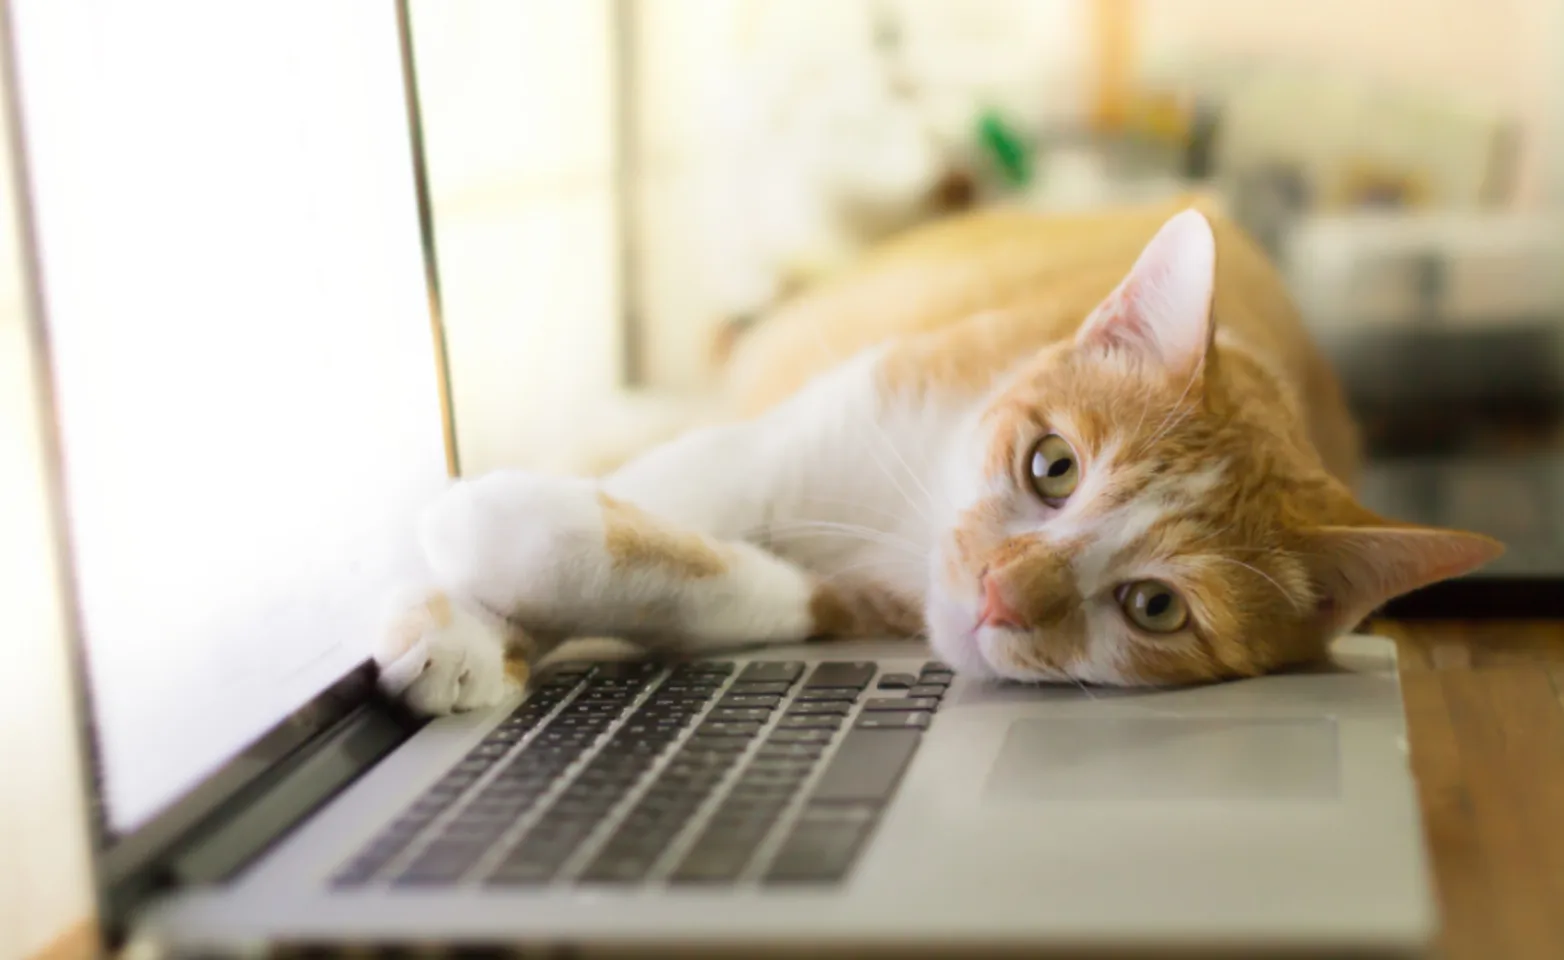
824,527
1291,600
835,575
1147,397
857,506
825,530
1179,410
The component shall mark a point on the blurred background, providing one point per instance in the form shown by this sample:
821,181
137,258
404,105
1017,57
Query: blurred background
620,186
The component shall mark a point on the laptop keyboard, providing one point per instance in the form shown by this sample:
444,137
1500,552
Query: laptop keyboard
703,773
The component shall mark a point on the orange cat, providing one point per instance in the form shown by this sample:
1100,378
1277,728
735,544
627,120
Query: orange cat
1098,448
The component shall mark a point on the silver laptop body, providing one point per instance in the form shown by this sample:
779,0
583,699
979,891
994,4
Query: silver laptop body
1266,817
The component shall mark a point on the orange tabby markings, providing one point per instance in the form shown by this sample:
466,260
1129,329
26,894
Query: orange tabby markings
517,669
438,606
635,539
862,609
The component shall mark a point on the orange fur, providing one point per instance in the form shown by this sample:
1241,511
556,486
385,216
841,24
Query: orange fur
635,540
962,298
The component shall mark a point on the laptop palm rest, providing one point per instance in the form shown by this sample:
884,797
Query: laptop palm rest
1161,758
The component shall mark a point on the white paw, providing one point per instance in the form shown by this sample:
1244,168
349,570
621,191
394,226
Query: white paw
439,658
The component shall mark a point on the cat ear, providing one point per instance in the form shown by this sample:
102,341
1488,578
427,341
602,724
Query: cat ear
1359,569
1162,309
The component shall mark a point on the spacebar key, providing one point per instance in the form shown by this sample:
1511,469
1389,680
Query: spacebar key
867,766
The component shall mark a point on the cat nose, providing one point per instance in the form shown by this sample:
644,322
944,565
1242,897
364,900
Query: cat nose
997,612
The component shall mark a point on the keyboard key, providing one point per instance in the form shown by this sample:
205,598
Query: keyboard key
728,728
935,690
716,857
819,722
838,694
610,779
784,671
671,801
800,765
523,873
644,732
841,674
357,872
490,749
810,750
477,828
633,748
900,703
815,708
704,762
442,862
717,744
775,773
775,788
434,801
897,681
760,687
497,808
936,666
867,766
619,866
739,713
628,670
820,849
674,786
748,700
769,798
800,736
685,693
893,720
764,800
708,667
566,809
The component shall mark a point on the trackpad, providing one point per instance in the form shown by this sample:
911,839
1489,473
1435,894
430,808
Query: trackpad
1167,758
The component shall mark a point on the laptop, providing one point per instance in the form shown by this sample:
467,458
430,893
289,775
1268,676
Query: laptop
232,276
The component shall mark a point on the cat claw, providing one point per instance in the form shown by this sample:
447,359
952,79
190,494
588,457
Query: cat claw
438,659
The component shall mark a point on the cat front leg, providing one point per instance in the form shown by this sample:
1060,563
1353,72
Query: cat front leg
658,553
521,560
561,556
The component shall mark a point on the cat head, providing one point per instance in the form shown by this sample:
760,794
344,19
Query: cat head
1147,510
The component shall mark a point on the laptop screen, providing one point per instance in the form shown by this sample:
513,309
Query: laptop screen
244,368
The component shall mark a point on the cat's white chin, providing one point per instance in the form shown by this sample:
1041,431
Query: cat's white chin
953,637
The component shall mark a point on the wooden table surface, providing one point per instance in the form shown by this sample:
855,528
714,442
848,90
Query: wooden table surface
1485,715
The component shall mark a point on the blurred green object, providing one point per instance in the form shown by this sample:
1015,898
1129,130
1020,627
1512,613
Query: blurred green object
1007,147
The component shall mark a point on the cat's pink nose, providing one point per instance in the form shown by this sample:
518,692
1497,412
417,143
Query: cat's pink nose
997,612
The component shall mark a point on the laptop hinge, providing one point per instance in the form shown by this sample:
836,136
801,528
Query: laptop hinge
257,817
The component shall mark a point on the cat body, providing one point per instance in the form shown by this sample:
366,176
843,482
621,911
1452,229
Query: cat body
1097,448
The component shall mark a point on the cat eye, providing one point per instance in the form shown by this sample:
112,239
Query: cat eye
1154,607
1054,468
